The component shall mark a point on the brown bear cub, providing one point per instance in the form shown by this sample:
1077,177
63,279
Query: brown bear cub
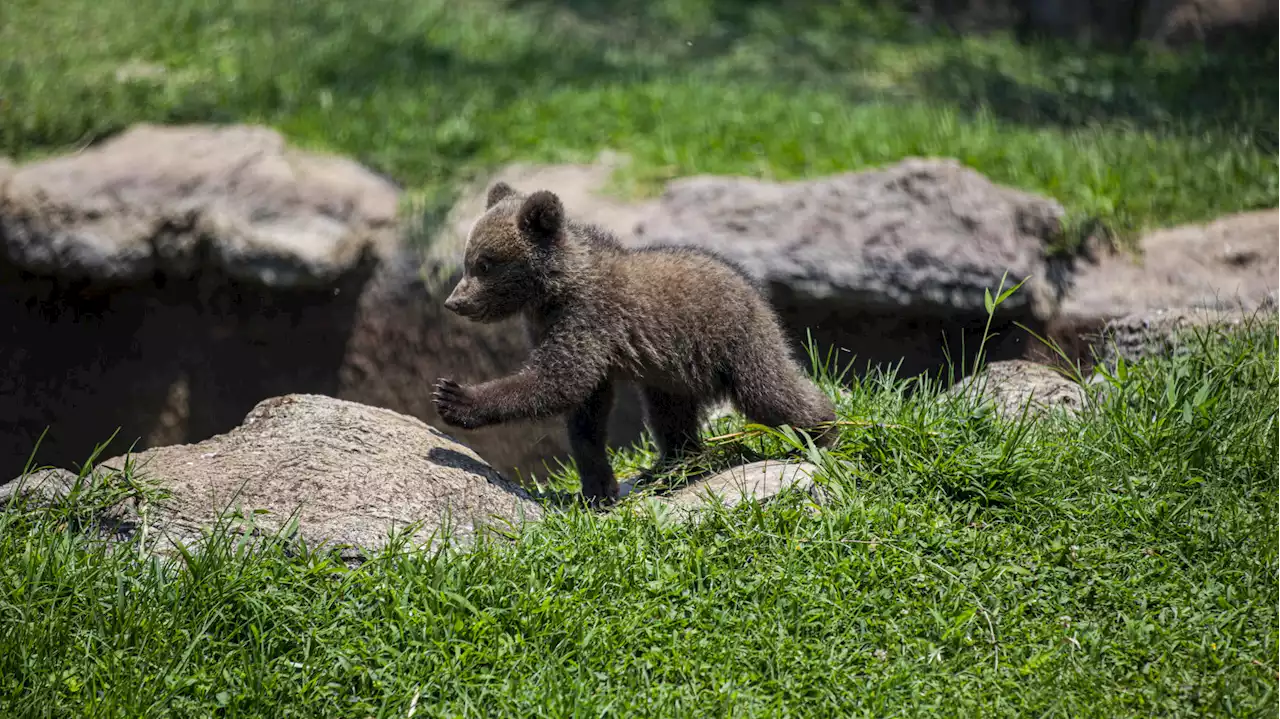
684,325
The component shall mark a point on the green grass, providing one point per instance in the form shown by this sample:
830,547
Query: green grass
1119,563
434,93
1122,563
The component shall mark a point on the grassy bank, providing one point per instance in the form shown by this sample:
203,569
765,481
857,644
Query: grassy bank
1122,563
433,92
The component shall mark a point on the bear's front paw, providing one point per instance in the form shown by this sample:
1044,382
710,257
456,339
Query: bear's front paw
455,404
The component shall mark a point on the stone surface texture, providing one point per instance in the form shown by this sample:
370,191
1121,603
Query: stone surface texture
1013,387
350,473
757,481
174,200
886,266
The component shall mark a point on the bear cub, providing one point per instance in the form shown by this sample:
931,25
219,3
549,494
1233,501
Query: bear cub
685,326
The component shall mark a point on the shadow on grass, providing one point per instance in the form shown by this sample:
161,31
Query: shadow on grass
446,64
713,26
280,54
1068,86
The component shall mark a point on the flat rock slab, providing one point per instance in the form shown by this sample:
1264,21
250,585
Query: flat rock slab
758,481
923,236
1015,386
352,473
1230,263
173,199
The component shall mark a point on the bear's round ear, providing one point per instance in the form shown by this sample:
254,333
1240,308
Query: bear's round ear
541,217
497,193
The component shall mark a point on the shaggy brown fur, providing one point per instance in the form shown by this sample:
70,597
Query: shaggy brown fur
684,325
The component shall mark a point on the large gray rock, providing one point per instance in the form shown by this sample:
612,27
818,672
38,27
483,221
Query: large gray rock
348,472
173,200
1227,266
921,236
1231,262
887,264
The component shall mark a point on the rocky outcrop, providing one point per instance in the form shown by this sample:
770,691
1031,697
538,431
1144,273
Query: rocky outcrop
164,282
1229,263
178,201
888,265
348,473
1226,267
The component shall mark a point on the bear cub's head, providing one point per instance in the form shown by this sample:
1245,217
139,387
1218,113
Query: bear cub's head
511,254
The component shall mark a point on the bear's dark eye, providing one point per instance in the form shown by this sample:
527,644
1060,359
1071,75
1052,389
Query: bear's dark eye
483,265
